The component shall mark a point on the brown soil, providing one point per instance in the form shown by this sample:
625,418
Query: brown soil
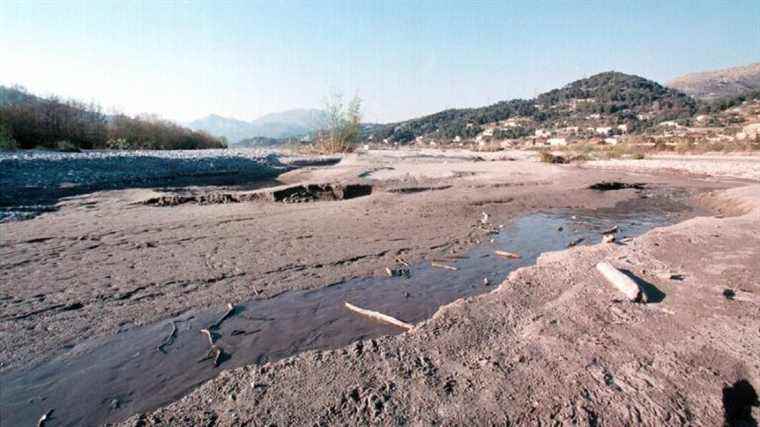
550,344
553,344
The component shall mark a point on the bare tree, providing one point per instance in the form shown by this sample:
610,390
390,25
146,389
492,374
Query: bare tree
342,128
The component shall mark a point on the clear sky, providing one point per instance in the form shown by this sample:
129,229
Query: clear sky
404,58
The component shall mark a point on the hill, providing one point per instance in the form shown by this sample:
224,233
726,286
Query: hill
30,121
15,95
725,83
605,99
285,124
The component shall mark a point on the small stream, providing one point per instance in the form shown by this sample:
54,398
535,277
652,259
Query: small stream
110,378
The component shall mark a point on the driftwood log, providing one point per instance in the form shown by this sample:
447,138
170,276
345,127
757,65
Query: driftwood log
380,316
441,265
505,254
620,281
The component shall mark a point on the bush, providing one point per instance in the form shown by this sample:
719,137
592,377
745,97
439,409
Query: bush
342,128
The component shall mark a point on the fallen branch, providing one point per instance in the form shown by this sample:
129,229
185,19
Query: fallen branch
169,340
209,334
380,316
612,230
575,242
505,254
446,266
620,281
218,323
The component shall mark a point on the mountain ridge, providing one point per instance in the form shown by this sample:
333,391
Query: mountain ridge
721,83
609,98
284,124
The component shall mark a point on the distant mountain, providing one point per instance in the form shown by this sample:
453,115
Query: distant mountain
259,142
728,82
286,124
605,99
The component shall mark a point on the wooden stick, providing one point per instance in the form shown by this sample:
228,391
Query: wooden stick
230,310
506,254
380,316
209,334
440,265
620,281
169,339
612,230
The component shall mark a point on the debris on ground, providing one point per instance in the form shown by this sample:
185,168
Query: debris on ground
379,316
620,281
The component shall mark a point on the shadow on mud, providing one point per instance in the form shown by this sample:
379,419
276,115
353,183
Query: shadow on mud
738,400
651,293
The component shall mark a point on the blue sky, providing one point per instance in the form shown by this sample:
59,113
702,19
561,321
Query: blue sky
183,60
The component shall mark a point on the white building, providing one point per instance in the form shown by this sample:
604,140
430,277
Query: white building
556,141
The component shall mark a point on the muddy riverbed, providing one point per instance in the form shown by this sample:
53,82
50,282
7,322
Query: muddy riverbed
91,289
108,379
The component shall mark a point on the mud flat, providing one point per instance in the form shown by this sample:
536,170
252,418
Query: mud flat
553,343
147,367
106,272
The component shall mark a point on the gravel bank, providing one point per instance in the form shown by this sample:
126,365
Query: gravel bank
35,180
44,169
743,167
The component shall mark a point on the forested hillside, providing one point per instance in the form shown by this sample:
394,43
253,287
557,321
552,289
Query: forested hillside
609,98
29,121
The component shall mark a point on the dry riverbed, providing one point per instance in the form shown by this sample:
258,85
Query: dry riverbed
551,343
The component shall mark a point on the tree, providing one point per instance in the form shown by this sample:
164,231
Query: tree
341,130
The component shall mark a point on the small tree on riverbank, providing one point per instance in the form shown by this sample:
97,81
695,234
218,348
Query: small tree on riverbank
341,130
